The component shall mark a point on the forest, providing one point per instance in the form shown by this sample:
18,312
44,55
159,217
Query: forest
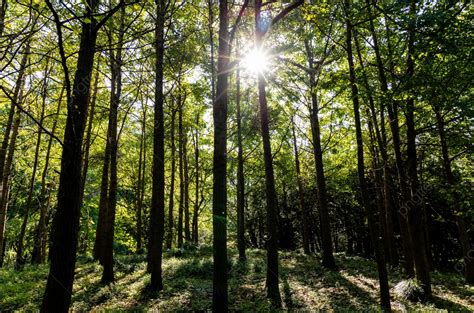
236,155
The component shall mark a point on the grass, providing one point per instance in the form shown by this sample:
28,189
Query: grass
304,285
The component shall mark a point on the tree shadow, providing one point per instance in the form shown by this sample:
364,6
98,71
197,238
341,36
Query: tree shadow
448,305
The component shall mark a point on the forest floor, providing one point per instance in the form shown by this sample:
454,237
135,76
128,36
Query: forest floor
304,285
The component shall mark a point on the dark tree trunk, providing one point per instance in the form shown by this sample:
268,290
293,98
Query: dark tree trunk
219,189
37,255
240,177
393,121
20,259
3,13
116,70
384,201
451,180
196,191
85,163
169,234
303,208
415,211
181,169
65,228
187,231
273,291
373,229
104,191
326,240
141,182
6,138
157,210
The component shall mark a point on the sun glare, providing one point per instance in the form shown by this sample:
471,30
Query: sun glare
256,61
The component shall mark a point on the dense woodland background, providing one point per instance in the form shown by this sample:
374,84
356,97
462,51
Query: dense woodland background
212,154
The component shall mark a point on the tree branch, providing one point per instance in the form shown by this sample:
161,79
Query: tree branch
29,115
286,10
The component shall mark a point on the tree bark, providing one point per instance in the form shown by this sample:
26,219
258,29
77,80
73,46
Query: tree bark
181,169
37,256
87,144
20,260
451,180
328,258
141,182
65,228
240,177
194,227
393,121
374,231
157,211
303,208
272,278
116,70
219,189
3,149
169,234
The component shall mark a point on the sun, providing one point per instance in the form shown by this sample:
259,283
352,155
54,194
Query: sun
256,61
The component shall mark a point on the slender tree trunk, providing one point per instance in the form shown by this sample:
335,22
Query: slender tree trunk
187,231
240,177
20,260
415,212
37,255
141,182
104,188
65,228
328,258
157,211
374,231
3,149
9,159
181,171
393,121
116,69
87,145
383,180
196,191
451,180
219,189
272,279
169,234
3,13
303,208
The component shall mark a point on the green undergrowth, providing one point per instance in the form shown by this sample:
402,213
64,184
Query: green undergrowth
304,285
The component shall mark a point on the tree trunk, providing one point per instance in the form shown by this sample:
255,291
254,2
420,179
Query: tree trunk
328,258
181,169
65,228
187,231
3,150
451,180
141,182
37,255
196,192
157,211
219,188
87,144
393,121
116,70
240,177
169,234
384,183
373,229
272,278
303,208
20,260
